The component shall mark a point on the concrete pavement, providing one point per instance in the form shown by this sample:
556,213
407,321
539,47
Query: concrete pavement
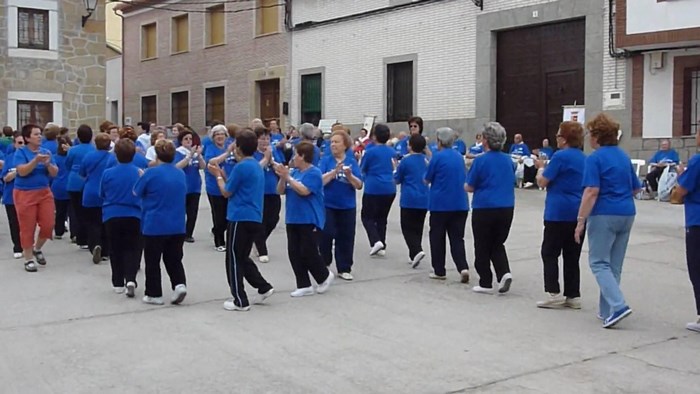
391,330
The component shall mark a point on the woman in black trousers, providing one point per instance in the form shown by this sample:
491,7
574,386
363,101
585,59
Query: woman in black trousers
491,179
9,172
267,155
189,158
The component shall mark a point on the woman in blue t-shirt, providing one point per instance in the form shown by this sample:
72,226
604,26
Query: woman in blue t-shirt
267,154
219,154
189,157
121,214
341,178
491,178
410,174
59,187
377,167
76,183
305,217
91,169
448,204
9,172
608,206
562,177
32,195
689,188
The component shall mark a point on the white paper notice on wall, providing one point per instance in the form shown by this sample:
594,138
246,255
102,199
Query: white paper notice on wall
574,113
368,122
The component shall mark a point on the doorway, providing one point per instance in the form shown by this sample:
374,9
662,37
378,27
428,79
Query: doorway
269,90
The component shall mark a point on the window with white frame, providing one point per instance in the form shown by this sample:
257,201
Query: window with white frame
32,29
34,112
694,102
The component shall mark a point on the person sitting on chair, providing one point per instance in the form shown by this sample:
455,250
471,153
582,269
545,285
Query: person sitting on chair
546,151
661,159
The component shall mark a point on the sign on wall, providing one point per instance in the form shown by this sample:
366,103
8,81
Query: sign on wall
574,113
368,122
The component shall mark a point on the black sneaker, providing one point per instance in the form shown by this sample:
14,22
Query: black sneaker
97,254
189,240
39,257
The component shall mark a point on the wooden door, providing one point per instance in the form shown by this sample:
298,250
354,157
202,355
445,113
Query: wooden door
269,100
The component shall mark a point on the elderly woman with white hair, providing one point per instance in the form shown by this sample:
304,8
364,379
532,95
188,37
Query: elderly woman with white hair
448,204
308,132
491,179
220,155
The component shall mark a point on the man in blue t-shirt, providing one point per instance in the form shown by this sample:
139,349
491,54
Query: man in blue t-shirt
663,158
520,153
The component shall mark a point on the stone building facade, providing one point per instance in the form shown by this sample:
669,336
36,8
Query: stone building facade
52,69
196,63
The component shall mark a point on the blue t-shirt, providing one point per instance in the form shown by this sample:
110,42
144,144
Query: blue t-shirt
690,181
460,147
75,157
7,198
492,175
51,146
276,138
546,153
212,152
476,149
94,164
433,148
610,169
665,156
306,209
162,190
60,182
246,183
270,177
564,191
520,149
446,175
117,192
339,193
401,147
192,175
39,177
140,161
377,169
410,174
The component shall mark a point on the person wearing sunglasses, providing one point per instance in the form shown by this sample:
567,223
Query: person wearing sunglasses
9,172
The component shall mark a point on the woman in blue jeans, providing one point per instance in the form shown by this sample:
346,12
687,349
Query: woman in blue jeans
608,206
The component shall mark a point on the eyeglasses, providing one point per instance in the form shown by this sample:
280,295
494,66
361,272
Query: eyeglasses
187,138
219,133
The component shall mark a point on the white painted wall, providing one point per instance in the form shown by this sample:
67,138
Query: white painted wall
352,53
113,88
658,97
644,16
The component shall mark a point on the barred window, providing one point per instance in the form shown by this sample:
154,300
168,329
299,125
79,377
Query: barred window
32,28
34,112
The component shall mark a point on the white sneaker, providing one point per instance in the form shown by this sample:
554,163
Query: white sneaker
417,259
553,301
130,289
573,303
83,247
504,284
379,245
152,300
229,305
17,255
178,294
118,290
694,326
306,291
323,287
255,251
97,254
220,248
262,297
264,259
433,275
464,276
345,276
482,290
381,253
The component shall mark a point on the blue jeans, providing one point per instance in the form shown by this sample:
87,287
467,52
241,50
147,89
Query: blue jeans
340,227
607,243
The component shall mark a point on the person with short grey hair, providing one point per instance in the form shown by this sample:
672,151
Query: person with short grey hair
491,179
448,205
307,132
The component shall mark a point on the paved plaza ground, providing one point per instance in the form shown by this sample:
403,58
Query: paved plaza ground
391,330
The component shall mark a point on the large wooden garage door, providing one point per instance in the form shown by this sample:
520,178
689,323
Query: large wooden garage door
540,69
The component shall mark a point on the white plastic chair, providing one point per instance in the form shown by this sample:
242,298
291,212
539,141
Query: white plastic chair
638,164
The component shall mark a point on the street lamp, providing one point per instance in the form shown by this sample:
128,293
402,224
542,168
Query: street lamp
479,3
90,6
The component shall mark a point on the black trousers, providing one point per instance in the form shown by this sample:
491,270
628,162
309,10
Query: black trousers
302,247
340,227
653,178
78,229
452,225
692,253
412,222
97,235
530,174
239,242
491,228
374,214
559,240
125,237
169,247
191,210
218,217
61,216
272,205
14,228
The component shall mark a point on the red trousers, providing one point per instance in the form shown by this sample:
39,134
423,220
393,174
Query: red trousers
34,207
